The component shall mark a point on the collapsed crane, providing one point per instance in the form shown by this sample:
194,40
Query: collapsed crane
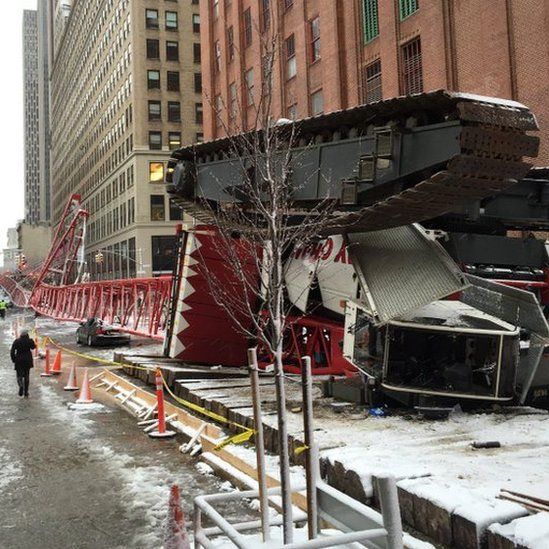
441,159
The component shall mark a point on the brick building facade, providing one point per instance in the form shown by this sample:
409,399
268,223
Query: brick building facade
336,54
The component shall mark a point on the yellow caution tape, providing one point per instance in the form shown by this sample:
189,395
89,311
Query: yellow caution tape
300,450
235,439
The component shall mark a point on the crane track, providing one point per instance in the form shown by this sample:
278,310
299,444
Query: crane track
493,142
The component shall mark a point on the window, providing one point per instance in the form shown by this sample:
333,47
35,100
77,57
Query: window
196,22
196,53
407,7
199,137
198,82
155,110
230,43
176,212
153,80
156,172
250,87
198,113
151,19
291,66
217,54
370,21
371,82
153,49
215,8
155,140
288,4
174,111
173,80
218,109
315,39
292,112
172,51
412,74
171,20
233,105
317,103
163,253
157,207
174,140
131,258
247,27
265,14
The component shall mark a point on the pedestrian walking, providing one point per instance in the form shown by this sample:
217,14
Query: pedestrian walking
21,356
3,307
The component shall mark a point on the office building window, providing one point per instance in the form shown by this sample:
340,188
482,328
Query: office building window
198,82
291,112
157,207
265,14
288,4
215,8
370,21
155,140
163,253
196,53
151,19
315,39
317,103
199,137
156,172
371,82
196,22
155,110
247,27
412,72
172,51
230,43
198,113
407,7
153,80
176,212
174,140
233,105
217,55
132,264
250,87
291,65
171,20
153,49
173,80
218,109
174,111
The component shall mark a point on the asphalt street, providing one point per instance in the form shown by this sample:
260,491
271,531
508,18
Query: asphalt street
71,479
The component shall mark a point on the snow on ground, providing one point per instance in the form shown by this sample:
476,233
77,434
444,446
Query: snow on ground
10,469
532,531
145,487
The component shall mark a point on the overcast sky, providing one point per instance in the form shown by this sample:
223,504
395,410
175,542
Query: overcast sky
11,135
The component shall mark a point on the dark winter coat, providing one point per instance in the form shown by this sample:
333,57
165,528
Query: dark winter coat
21,353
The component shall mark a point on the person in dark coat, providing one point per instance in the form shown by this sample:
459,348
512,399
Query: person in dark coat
21,356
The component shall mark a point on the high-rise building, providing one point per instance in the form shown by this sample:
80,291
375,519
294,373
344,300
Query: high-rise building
125,90
44,38
31,125
59,16
336,54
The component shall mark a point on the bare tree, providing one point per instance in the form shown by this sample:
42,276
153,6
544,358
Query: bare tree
256,231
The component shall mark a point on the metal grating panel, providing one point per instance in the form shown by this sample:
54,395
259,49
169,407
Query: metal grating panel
400,269
518,307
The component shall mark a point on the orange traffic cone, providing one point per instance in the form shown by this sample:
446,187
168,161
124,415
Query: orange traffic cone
160,431
84,396
56,370
47,371
175,536
71,382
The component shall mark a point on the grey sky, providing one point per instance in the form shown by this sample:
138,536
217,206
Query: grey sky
11,136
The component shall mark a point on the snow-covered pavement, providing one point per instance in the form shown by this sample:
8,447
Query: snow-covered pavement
82,479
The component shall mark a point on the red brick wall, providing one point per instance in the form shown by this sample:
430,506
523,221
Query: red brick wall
490,47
